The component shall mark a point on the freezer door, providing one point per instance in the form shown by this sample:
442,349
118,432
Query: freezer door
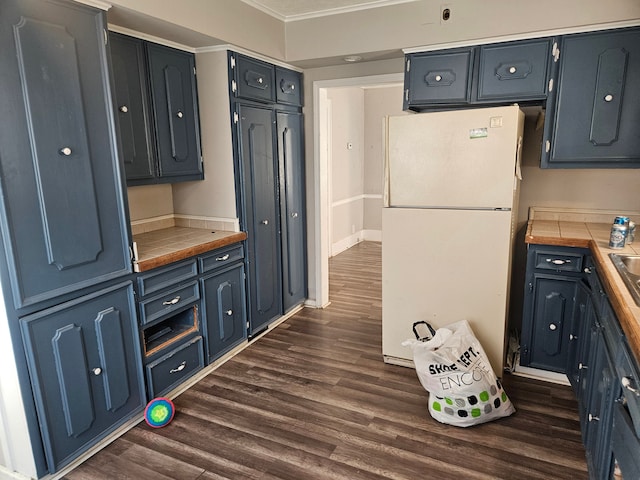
443,266
457,159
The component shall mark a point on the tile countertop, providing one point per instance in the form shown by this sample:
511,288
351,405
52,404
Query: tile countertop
576,229
162,247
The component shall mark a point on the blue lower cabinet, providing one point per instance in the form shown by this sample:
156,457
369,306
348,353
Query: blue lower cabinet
224,310
173,368
85,366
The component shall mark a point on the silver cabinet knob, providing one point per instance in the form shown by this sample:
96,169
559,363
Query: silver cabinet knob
293,87
552,327
593,418
294,215
265,222
97,371
438,78
608,98
260,80
229,312
582,366
66,151
124,109
513,69
222,258
179,114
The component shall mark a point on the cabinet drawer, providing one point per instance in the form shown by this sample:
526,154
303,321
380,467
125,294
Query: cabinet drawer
167,303
558,261
220,258
439,78
161,278
172,369
624,443
513,71
288,86
629,376
253,79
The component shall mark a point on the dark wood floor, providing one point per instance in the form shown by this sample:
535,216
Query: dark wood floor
313,399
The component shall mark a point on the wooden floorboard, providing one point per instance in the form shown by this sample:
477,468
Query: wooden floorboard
312,399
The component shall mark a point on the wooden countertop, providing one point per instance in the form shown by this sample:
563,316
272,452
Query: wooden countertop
595,236
161,247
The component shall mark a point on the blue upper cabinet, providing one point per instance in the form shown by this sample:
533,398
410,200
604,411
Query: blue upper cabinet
513,71
595,108
61,209
438,78
156,111
488,74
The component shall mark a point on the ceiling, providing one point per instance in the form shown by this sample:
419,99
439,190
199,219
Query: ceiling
290,10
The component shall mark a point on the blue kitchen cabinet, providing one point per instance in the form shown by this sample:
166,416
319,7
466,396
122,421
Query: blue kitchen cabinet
84,363
174,102
65,236
133,112
497,73
224,307
269,156
514,71
256,135
289,127
438,78
593,111
62,206
553,276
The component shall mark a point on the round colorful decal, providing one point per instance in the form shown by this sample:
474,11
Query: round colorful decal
159,412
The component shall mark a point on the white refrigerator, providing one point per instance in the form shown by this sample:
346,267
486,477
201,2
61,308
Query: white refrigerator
451,189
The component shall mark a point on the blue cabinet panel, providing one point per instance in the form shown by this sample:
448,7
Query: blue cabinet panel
85,366
62,211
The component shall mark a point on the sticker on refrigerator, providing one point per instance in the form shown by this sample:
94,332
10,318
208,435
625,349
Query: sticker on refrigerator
477,133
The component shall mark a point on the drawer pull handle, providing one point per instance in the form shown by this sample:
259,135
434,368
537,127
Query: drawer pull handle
265,222
593,418
573,337
66,151
513,69
229,312
626,383
582,366
179,368
124,109
557,261
173,301
552,327
587,270
97,371
222,258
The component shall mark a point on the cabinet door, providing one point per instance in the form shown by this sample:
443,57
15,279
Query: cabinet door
438,77
579,329
62,213
174,100
288,87
132,106
252,79
292,208
595,109
224,310
514,71
544,344
86,370
260,214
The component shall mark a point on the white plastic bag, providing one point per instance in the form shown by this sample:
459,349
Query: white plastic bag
454,369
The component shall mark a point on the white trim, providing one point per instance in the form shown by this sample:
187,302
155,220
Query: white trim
249,53
326,12
321,241
362,196
523,36
149,38
96,3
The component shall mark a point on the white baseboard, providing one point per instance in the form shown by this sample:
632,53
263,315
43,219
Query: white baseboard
355,238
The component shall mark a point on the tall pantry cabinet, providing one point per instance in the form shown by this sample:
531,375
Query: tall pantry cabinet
65,261
268,147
